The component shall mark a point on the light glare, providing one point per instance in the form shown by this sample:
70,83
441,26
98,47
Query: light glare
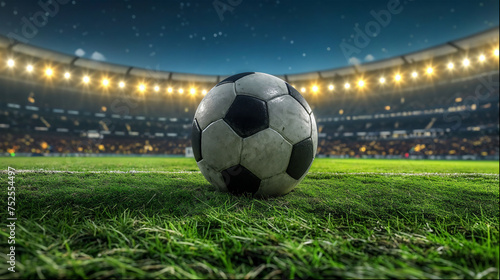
11,63
482,58
157,88
121,84
430,70
49,72
466,62
67,75
414,74
382,80
451,65
331,87
142,87
397,77
29,68
105,82
86,79
347,85
361,83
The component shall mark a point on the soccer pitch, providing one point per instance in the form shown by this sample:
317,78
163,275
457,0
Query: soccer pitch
131,217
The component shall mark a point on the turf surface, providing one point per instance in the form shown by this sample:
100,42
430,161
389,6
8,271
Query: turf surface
348,218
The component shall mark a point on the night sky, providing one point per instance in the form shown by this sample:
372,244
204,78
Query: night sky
272,36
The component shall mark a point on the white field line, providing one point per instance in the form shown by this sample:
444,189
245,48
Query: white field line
422,174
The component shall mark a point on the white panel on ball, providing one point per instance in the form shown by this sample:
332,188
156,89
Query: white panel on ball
289,118
220,146
215,104
266,153
212,176
314,134
277,185
262,86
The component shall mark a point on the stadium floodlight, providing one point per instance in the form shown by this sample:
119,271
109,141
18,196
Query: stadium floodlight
86,79
11,63
397,77
482,58
181,90
361,83
105,82
192,91
331,87
170,90
451,65
29,68
204,92
347,85
303,89
382,80
121,84
157,88
67,75
142,87
315,88
414,74
49,72
466,62
430,70
495,52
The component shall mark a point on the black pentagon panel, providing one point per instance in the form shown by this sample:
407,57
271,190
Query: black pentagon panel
196,140
240,180
247,115
301,158
234,78
295,94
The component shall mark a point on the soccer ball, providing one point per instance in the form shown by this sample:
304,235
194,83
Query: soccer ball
254,133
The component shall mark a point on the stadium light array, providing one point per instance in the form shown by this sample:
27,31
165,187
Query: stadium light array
465,62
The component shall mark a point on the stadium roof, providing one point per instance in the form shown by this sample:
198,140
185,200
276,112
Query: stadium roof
490,36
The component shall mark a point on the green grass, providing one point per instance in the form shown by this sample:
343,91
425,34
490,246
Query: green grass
175,225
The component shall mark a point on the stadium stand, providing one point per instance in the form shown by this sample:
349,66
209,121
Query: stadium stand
442,102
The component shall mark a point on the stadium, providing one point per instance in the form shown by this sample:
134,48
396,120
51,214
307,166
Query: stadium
405,181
